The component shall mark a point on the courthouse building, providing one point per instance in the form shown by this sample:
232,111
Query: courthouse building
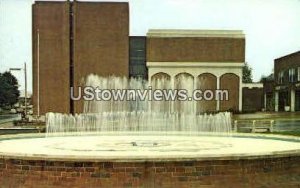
74,39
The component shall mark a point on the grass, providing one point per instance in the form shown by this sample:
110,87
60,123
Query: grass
287,133
282,116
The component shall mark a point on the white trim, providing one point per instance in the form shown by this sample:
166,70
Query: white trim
218,87
197,68
241,90
292,105
253,85
195,64
276,101
292,72
169,33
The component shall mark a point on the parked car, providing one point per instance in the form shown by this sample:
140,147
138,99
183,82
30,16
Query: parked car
13,111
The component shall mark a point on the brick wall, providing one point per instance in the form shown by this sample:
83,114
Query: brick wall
195,49
100,46
207,81
101,41
231,83
52,21
265,172
253,99
285,63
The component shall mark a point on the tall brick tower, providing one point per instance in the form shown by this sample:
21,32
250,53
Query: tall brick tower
72,40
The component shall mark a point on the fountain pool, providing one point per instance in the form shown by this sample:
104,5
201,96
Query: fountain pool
146,143
177,159
153,146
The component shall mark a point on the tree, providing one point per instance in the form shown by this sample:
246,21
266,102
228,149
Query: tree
9,92
247,74
268,78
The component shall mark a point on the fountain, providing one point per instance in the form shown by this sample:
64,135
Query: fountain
137,115
146,143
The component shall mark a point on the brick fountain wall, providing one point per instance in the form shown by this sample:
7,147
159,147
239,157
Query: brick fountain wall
264,172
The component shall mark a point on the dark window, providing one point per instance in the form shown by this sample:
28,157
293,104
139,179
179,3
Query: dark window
137,58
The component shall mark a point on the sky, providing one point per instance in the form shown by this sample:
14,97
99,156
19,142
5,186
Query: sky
272,27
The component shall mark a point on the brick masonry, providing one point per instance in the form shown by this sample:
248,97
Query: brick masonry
231,83
101,41
265,172
100,46
207,81
285,63
253,99
195,49
51,76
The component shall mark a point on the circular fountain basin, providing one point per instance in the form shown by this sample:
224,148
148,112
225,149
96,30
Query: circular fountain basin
130,146
149,160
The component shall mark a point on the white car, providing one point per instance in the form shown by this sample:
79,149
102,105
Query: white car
13,111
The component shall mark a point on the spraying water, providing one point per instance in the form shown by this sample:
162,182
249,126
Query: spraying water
138,115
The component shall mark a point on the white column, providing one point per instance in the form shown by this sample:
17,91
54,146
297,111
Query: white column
265,101
292,100
241,92
150,74
276,100
172,87
218,88
194,88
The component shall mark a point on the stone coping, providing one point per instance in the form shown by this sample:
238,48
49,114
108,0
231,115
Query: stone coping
279,154
18,128
175,33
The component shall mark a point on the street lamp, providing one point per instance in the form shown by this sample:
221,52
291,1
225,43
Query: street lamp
38,73
25,75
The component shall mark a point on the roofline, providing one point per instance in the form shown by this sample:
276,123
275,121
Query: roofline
37,2
76,1
292,54
137,36
173,33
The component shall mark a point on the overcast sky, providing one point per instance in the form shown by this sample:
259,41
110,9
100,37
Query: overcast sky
272,27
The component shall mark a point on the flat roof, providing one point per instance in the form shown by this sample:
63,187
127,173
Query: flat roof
195,33
78,1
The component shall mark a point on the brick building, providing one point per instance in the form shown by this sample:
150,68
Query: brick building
137,57
212,59
287,82
253,97
74,39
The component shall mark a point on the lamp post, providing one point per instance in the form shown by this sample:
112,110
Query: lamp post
38,73
25,77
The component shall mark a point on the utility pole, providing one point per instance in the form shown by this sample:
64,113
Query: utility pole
25,75
38,73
